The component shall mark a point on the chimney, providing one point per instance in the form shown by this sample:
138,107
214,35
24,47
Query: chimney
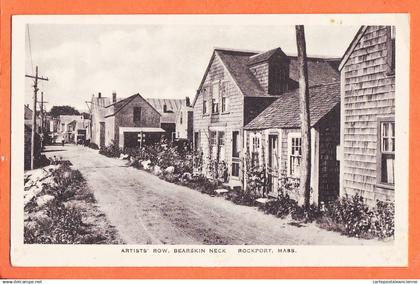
114,97
99,95
165,108
187,101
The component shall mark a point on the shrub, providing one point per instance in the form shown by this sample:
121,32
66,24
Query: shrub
93,146
241,197
112,150
353,217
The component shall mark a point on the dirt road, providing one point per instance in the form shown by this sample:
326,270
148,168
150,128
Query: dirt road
147,210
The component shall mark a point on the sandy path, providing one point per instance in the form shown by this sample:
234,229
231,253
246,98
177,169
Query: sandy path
147,210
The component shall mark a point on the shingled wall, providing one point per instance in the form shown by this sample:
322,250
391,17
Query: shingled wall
368,92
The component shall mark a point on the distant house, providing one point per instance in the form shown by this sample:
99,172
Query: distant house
168,109
368,114
129,122
71,128
273,141
236,87
184,121
97,116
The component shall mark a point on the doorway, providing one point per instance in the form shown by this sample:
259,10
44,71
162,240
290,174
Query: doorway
272,162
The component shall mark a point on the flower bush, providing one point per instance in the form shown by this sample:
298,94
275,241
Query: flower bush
353,217
112,150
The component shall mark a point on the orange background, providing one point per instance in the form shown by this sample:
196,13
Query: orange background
22,7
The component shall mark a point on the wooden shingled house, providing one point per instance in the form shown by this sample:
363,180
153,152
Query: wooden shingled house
368,114
236,87
273,142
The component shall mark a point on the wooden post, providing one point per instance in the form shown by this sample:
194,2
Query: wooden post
36,78
305,178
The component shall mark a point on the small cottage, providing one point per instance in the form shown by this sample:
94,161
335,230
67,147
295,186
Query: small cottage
368,115
184,121
130,122
273,144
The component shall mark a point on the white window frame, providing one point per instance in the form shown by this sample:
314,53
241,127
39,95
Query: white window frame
380,151
291,136
215,98
223,92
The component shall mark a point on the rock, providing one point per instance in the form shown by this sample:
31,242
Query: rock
157,170
221,190
146,164
44,199
262,200
186,176
123,156
170,170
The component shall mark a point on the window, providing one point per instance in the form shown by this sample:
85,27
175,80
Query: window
137,114
294,154
225,104
225,100
213,144
215,105
386,152
221,146
215,98
235,144
180,117
255,151
204,107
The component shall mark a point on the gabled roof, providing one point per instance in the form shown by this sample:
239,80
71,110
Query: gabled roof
264,56
285,112
171,104
237,62
119,105
320,70
352,45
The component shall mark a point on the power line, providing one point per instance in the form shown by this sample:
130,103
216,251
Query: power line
30,48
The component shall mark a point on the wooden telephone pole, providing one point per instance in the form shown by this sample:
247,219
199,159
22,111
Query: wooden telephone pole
36,78
305,170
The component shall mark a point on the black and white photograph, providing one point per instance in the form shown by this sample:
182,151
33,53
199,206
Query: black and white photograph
225,138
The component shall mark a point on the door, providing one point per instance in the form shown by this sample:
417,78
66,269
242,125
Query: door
101,134
272,162
235,154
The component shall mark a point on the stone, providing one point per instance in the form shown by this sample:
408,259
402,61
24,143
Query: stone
170,170
186,176
157,170
262,200
44,199
146,164
123,156
221,190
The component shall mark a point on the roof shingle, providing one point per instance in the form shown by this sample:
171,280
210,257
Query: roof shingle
285,112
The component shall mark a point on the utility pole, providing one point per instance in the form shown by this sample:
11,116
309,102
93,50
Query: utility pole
42,119
305,171
36,78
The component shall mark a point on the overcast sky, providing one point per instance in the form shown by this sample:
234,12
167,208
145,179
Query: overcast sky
157,61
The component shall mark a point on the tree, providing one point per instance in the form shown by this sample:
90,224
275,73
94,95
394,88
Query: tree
63,110
305,178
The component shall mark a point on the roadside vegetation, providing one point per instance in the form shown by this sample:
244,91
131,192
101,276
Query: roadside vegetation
175,163
59,208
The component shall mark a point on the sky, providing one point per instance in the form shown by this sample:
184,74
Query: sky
157,61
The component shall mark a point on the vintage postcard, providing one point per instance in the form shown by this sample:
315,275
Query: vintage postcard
210,140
